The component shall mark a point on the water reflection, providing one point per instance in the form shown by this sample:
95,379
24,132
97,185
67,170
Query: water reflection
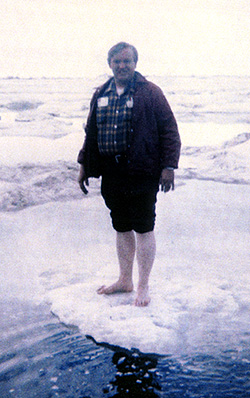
136,375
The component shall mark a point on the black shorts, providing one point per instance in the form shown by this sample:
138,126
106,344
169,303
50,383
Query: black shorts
132,205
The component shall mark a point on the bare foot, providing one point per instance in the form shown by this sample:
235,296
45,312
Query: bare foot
117,287
142,299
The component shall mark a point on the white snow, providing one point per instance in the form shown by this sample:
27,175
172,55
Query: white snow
200,282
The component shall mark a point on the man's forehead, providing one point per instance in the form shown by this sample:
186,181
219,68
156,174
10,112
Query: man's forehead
125,52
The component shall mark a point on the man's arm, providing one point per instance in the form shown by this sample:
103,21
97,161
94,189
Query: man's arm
83,172
170,142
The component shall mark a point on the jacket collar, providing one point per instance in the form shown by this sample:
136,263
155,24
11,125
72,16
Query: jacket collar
139,78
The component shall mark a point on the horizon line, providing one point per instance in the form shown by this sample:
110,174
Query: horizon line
108,75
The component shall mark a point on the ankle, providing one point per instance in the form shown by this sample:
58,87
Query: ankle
142,286
125,281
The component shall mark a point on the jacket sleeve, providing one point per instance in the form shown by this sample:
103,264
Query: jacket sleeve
89,155
169,137
90,126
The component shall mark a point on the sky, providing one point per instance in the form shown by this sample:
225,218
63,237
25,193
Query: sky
71,38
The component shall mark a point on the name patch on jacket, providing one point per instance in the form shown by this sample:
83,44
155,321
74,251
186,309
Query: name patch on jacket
130,103
103,101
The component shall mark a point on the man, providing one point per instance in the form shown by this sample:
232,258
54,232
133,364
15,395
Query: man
132,141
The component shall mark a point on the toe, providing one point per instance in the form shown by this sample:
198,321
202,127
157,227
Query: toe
101,290
142,302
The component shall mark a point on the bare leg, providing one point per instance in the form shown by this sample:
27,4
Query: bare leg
125,245
146,248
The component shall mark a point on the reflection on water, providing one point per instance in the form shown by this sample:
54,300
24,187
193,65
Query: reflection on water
40,357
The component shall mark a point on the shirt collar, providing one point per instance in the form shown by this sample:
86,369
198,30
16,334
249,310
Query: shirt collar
129,89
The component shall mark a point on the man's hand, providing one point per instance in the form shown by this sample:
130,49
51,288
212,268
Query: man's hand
81,179
167,180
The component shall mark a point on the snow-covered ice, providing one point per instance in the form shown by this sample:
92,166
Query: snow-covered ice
60,247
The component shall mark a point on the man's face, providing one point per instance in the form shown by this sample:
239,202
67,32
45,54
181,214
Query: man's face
123,66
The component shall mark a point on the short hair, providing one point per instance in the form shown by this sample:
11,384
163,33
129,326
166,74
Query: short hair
119,47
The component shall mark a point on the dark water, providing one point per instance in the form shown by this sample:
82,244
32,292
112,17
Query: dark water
40,357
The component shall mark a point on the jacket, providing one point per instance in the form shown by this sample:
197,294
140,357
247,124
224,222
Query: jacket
153,141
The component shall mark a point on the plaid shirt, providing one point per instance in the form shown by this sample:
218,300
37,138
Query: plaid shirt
113,116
